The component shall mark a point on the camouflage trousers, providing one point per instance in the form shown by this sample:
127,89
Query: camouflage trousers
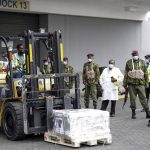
139,90
90,92
66,89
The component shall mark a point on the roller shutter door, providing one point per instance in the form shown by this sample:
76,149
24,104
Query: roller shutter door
12,24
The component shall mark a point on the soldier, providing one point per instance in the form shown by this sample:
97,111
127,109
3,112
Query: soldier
68,69
147,90
18,62
90,80
136,79
109,80
147,63
46,68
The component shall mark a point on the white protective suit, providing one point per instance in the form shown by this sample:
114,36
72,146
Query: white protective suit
110,89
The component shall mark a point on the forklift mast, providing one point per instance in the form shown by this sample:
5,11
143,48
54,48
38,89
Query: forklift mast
37,109
54,46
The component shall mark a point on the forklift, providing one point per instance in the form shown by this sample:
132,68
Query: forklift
27,105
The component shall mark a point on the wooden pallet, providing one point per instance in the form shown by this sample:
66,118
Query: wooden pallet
62,141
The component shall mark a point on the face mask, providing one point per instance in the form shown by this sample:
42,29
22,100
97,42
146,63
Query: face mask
110,66
135,57
90,60
65,62
46,63
146,61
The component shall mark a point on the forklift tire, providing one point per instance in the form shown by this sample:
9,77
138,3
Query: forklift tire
13,121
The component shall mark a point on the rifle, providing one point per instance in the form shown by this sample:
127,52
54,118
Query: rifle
126,97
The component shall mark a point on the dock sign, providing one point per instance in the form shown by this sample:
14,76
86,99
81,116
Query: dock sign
15,4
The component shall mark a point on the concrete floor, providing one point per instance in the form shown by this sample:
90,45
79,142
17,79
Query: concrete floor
128,134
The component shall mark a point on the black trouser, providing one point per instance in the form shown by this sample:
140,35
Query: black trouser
105,104
147,90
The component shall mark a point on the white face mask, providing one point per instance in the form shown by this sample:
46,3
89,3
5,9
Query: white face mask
110,66
146,61
65,63
46,63
135,57
90,60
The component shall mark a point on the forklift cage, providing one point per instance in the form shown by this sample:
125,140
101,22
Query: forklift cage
36,103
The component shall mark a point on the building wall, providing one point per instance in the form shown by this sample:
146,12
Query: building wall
145,38
94,8
106,38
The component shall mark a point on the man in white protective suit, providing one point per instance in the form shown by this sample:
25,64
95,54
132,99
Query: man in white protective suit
109,80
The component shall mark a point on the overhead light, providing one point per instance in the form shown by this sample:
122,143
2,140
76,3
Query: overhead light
131,8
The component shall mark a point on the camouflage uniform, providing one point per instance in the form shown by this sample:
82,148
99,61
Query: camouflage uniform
148,88
136,85
68,81
90,80
46,69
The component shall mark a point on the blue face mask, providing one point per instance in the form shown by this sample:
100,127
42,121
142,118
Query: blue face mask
135,57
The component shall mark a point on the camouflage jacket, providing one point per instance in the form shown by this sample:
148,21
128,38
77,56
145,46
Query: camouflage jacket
137,65
46,69
68,80
87,67
68,69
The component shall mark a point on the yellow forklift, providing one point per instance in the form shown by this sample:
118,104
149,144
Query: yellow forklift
26,103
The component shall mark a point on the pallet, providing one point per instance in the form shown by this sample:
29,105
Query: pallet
62,141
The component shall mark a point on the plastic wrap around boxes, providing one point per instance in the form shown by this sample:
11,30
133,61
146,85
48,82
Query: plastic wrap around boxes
81,125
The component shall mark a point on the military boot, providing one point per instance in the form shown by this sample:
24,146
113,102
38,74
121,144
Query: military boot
147,113
95,106
133,114
148,123
86,105
143,110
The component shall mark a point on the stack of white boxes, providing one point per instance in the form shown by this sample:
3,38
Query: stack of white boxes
81,125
